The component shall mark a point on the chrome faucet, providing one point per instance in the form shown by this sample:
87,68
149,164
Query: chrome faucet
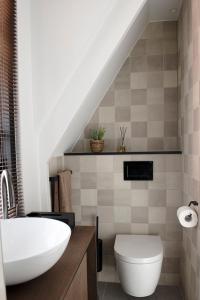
6,193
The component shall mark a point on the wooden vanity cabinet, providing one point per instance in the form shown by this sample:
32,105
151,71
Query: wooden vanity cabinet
78,288
72,278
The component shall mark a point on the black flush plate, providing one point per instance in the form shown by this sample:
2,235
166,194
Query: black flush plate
138,170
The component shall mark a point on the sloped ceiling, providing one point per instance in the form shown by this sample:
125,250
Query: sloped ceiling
77,49
116,33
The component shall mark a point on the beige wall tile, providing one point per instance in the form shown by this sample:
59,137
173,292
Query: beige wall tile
139,129
154,47
159,181
139,49
173,180
122,197
88,215
170,62
106,114
106,214
108,99
170,29
88,180
122,97
155,144
157,215
170,79
154,31
155,129
139,64
104,163
154,63
77,211
139,198
75,180
170,46
158,229
155,96
122,214
139,97
87,164
72,163
174,198
139,144
155,79
139,228
122,114
76,197
156,112
89,197
173,163
173,232
139,215
123,228
138,80
139,113
105,181
105,197
157,198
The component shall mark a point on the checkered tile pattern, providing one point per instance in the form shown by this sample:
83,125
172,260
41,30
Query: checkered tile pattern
143,96
137,207
189,133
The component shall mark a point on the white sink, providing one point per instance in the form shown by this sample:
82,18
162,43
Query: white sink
31,246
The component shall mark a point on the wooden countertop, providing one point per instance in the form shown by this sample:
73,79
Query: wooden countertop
54,284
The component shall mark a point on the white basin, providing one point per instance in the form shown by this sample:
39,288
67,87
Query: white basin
31,246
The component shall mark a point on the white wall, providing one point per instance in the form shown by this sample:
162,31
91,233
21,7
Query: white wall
28,134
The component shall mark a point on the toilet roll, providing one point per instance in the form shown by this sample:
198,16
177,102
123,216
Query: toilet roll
187,216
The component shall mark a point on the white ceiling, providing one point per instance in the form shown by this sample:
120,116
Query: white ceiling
163,10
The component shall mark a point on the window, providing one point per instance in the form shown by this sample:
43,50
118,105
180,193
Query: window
9,145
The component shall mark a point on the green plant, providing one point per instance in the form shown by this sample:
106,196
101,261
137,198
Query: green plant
98,134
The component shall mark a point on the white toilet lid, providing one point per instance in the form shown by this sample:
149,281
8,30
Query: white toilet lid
138,248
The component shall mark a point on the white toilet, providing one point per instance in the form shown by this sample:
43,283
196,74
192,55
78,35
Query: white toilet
139,261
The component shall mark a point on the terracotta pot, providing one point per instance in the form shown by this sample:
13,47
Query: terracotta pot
96,145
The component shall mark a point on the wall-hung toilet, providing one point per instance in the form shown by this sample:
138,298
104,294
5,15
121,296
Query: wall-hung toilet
139,261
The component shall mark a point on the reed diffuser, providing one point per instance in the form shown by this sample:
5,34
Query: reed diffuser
122,147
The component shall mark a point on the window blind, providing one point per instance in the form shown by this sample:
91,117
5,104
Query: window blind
9,142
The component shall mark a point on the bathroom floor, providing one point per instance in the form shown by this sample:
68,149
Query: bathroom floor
113,291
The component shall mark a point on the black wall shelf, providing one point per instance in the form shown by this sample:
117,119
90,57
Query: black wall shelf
122,153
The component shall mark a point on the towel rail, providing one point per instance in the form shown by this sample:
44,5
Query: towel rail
55,178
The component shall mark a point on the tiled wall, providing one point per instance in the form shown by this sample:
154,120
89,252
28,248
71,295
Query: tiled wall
137,207
189,128
143,97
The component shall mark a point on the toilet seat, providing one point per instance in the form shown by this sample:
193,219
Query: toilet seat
137,249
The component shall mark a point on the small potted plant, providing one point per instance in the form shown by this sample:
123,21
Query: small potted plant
96,141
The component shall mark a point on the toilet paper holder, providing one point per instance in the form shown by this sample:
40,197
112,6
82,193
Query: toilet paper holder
188,218
195,203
